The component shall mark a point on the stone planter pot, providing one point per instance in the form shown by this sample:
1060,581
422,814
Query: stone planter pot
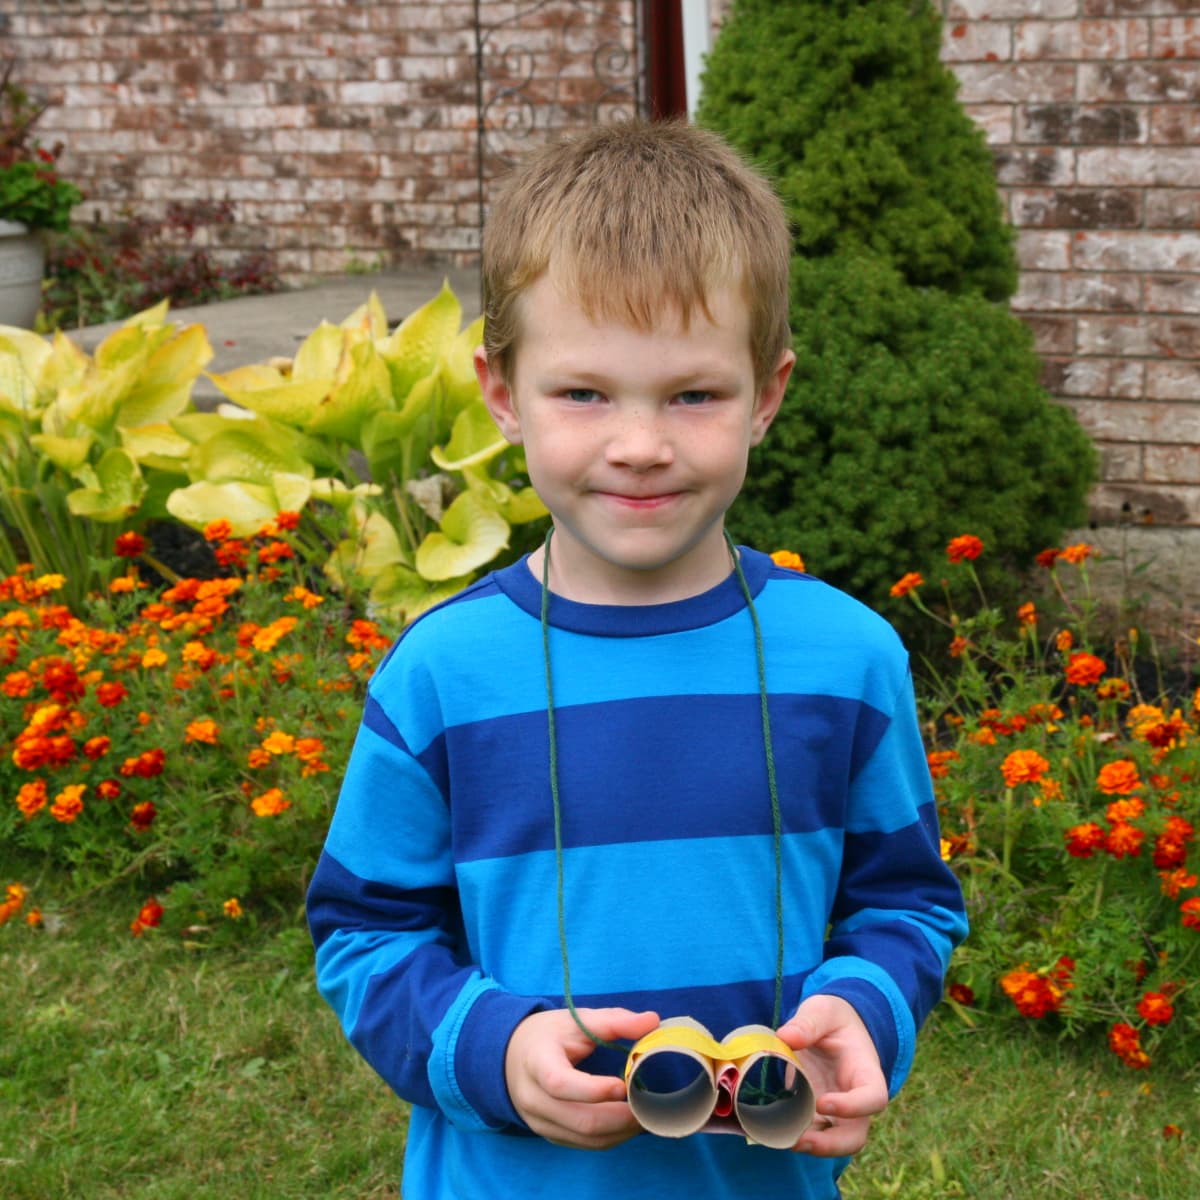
22,263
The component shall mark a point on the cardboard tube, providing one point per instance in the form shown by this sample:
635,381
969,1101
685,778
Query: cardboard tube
682,1081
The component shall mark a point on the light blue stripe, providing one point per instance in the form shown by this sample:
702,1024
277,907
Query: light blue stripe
895,781
341,977
650,915
941,928
390,812
442,1077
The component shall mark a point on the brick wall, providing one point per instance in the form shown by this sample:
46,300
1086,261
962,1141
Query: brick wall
340,129
1091,109
346,129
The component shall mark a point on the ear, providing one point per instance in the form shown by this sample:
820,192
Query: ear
498,397
770,397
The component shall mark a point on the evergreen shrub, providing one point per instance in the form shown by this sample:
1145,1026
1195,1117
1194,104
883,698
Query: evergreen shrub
915,412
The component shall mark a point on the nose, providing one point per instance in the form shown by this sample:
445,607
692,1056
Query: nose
638,441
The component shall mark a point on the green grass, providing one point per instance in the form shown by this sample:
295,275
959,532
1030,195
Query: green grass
143,1070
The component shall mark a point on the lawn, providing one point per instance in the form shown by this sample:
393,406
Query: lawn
143,1069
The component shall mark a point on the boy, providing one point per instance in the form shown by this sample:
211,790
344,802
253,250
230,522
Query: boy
639,769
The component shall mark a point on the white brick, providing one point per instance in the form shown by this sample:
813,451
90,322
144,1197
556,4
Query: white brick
1139,166
1039,251
1121,251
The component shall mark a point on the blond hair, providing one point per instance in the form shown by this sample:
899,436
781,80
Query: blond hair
635,219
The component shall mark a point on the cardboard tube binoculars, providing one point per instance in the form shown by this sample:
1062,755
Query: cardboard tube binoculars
680,1080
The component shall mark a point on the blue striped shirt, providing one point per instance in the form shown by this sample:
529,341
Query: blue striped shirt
434,904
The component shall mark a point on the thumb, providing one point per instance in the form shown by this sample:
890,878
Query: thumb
810,1023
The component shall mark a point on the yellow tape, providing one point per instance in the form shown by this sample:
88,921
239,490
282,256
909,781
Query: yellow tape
686,1037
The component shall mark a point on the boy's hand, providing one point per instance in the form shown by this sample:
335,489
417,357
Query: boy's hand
842,1065
564,1105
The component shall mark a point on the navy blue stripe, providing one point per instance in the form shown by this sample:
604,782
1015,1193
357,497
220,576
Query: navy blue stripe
645,769
879,867
339,900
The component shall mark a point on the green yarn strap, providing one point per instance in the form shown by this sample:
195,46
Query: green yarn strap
776,812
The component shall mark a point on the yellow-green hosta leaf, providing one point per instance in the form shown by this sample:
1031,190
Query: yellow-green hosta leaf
23,359
164,387
413,350
292,492
151,318
368,319
362,388
320,354
158,445
112,490
132,344
401,594
357,561
524,506
66,453
263,389
246,506
471,535
474,440
239,452
458,368
66,367
342,498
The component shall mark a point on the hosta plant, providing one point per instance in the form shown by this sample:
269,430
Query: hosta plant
381,440
79,436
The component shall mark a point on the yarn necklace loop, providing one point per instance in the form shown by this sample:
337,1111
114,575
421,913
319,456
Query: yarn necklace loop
556,799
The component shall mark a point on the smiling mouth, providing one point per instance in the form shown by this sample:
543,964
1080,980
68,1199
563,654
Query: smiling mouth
646,502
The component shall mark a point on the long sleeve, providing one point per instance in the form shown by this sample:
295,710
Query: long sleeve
898,911
384,913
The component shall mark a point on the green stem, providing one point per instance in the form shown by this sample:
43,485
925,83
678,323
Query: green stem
1006,856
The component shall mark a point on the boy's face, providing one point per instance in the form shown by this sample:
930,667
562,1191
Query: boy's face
636,440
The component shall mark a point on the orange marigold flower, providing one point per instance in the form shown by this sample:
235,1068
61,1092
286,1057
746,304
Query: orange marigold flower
1064,641
1169,852
1051,790
267,638
123,584
965,546
958,645
257,758
149,915
1172,1131
1033,993
365,635
1124,840
908,582
68,804
1084,840
1084,669
270,804
232,553
1119,778
202,730
305,597
960,993
279,742
1027,613
129,545
939,762
1047,558
31,797
1113,689
287,520
110,694
1125,1042
146,765
1127,809
153,658
233,908
789,559
1191,912
142,816
1023,766
217,531
17,684
1077,553
97,747
108,789
274,551
1175,881
1155,1009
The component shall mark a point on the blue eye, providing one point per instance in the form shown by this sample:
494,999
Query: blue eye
581,395
693,398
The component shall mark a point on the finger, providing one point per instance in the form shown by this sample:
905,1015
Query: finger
587,1126
837,1139
578,1087
863,1101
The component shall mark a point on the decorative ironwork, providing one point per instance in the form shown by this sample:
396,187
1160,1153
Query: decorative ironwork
552,66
